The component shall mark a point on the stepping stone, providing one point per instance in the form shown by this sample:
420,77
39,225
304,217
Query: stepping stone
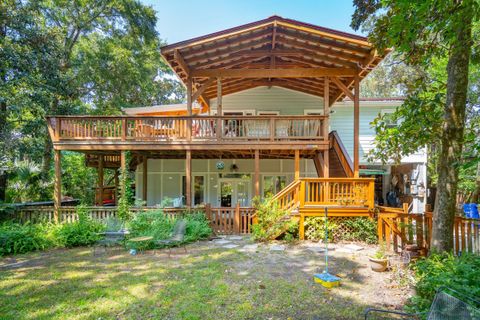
235,238
316,249
230,246
251,246
222,241
277,247
353,247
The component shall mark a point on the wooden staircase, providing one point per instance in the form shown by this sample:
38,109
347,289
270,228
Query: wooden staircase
339,162
308,196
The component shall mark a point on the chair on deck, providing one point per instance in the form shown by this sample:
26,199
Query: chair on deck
177,237
281,128
258,129
447,304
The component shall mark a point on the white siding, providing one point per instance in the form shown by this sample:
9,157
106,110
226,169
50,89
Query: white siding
341,120
286,101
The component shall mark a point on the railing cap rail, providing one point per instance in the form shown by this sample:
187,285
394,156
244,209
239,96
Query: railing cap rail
139,117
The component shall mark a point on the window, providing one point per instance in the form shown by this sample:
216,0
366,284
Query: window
273,184
313,112
268,113
198,190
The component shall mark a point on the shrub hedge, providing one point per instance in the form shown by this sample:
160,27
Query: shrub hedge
459,273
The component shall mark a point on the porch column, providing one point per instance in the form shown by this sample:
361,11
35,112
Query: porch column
356,126
297,164
115,177
189,107
57,195
123,170
326,122
188,178
219,108
101,162
257,173
145,179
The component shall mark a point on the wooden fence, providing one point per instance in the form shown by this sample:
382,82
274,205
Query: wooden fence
398,229
236,220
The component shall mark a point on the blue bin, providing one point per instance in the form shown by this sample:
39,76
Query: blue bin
471,210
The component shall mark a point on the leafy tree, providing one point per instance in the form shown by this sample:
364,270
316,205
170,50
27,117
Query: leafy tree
424,32
73,57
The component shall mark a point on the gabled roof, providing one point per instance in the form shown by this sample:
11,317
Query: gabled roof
277,44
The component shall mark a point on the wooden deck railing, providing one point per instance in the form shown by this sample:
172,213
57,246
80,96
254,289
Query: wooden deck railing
236,220
399,229
184,128
337,145
344,192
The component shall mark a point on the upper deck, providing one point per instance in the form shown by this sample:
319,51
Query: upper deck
188,132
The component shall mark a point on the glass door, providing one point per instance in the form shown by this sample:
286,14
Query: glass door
233,191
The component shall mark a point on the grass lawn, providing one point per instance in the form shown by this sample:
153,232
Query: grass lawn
209,282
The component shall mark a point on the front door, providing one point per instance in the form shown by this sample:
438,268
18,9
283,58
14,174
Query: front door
233,191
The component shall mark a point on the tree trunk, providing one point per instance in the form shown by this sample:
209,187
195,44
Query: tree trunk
452,133
3,137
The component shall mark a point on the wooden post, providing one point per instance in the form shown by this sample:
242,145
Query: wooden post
123,170
57,196
124,129
356,127
326,124
115,177
188,178
101,160
297,164
145,179
301,227
219,108
189,108
236,219
257,173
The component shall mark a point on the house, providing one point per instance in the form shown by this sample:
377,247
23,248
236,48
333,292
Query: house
273,107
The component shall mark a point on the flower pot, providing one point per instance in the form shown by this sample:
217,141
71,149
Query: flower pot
378,265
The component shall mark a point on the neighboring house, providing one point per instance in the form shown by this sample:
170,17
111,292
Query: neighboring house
265,113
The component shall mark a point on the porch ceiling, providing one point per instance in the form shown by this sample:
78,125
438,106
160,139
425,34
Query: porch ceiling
272,52
113,158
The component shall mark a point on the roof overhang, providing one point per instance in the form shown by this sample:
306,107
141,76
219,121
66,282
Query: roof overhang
273,52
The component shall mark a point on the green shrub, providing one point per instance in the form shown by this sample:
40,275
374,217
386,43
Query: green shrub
363,229
459,273
271,219
159,226
82,232
315,229
18,238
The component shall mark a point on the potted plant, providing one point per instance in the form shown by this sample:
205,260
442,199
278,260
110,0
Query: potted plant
379,261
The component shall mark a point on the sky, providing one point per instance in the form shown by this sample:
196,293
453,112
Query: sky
180,20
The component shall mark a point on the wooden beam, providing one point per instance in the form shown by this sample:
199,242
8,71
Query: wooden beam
57,195
181,62
188,178
189,96
145,179
100,179
326,129
356,127
266,53
257,173
123,170
297,164
274,73
202,88
343,87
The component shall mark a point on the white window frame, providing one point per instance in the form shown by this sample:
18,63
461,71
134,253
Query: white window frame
248,112
314,112
268,113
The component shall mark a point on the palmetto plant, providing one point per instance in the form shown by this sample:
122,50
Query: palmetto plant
26,183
